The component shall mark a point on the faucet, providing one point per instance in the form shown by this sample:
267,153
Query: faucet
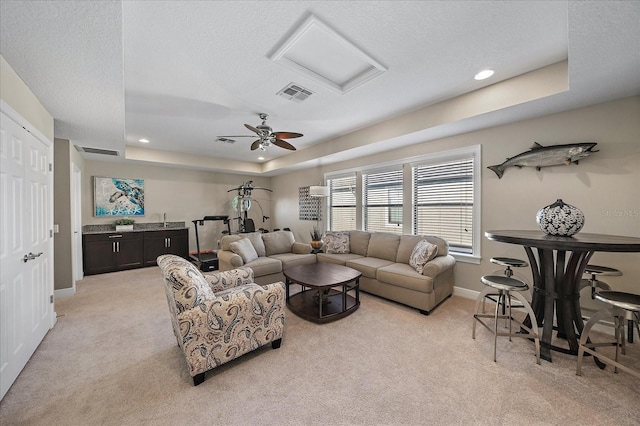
164,220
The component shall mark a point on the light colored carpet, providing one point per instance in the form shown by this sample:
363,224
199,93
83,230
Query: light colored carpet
112,359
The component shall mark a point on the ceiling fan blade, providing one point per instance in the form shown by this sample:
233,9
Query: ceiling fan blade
284,144
253,129
287,135
255,145
237,136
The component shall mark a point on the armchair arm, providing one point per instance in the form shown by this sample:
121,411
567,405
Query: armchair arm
237,321
223,280
229,259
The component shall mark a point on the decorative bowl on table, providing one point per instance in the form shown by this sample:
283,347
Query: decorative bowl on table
560,219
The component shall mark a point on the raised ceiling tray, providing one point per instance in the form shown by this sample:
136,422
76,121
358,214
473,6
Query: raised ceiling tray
319,52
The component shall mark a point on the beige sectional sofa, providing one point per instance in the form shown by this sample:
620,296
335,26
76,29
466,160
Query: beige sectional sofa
383,259
275,251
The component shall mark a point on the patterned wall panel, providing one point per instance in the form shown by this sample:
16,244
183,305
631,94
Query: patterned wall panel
309,206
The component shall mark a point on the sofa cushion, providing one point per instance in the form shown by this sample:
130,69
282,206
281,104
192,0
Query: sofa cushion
383,246
423,252
291,259
254,237
244,249
336,242
358,242
339,259
256,240
403,275
278,242
368,265
407,244
265,266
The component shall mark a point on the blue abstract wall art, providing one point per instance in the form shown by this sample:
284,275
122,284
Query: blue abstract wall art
118,197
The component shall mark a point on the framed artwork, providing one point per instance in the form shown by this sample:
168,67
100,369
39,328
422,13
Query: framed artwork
118,197
309,207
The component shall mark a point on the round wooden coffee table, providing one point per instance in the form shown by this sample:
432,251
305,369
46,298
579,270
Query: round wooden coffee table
320,301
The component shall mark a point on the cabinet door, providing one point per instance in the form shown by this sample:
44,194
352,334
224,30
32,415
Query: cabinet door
130,251
179,244
99,254
157,243
154,246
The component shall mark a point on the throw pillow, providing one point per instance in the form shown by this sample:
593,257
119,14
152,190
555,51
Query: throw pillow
244,249
423,252
336,242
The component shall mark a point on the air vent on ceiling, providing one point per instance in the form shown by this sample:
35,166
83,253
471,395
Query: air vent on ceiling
225,140
295,93
99,151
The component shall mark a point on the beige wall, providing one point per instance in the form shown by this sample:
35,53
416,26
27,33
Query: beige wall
17,94
64,156
606,186
63,275
184,195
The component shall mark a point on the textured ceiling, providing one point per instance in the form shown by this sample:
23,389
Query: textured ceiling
181,73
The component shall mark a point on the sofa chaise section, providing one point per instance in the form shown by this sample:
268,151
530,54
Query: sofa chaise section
383,259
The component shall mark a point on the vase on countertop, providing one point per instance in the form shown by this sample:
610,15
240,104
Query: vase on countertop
560,219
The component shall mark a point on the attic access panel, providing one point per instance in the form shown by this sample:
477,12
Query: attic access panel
318,52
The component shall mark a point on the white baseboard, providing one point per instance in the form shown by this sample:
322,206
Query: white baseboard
465,292
64,293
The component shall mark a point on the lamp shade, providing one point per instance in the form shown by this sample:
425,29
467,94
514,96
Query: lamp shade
318,191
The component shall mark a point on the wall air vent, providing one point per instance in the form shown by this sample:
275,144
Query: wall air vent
98,151
295,92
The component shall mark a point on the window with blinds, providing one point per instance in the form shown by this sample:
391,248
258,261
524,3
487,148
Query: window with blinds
382,201
342,203
443,202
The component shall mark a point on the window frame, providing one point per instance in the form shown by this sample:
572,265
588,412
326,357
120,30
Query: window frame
407,164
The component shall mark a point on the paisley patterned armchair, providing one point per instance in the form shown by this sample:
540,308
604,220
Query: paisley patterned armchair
220,316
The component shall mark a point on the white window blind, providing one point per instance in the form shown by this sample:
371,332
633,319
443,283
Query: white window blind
382,201
342,203
443,202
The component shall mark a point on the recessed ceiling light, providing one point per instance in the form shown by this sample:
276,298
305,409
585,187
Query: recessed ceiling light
260,158
143,140
483,74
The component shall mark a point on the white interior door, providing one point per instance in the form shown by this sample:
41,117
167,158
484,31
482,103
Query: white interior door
26,247
76,223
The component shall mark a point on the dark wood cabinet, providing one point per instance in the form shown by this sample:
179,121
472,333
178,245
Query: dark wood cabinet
157,243
112,252
115,251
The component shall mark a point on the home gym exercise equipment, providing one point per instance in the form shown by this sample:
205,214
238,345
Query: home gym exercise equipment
242,203
207,261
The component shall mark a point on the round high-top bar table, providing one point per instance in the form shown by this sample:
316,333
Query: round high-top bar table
556,277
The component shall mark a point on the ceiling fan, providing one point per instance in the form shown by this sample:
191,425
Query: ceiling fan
266,136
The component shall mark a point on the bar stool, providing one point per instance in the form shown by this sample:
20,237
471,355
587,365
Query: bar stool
623,306
506,287
593,282
508,263
596,285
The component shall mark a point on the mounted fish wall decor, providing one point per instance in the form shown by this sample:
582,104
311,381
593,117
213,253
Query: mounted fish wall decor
544,156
